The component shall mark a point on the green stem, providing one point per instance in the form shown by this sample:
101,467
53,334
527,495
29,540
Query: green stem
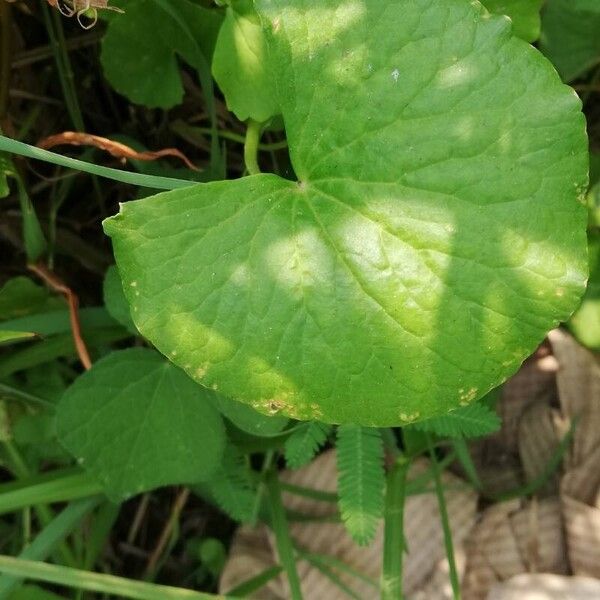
439,490
260,488
5,55
151,181
253,132
97,582
393,532
63,64
194,134
54,533
282,535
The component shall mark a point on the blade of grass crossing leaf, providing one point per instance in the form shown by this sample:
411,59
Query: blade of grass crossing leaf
150,181
97,582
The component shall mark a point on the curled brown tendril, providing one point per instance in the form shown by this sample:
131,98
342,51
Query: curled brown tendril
86,11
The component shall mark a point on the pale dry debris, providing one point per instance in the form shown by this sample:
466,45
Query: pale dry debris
578,381
538,441
546,587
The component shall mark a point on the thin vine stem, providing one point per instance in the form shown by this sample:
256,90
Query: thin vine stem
251,142
393,530
279,525
439,490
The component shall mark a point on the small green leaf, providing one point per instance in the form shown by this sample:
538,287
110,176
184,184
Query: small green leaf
361,480
247,419
140,48
136,422
304,443
434,237
240,64
474,420
115,301
525,15
570,37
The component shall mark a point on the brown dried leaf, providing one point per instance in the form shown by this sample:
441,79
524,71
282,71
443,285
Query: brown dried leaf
539,534
533,383
582,482
582,524
480,575
115,149
538,442
578,382
546,587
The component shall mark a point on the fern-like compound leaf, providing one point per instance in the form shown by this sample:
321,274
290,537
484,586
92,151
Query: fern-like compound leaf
232,487
361,480
304,443
475,420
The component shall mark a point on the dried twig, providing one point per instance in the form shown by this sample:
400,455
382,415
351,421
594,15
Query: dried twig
52,281
178,505
115,149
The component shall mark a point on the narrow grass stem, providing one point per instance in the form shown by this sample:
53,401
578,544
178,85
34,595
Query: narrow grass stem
439,490
282,534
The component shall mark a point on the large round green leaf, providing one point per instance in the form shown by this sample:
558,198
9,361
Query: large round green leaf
136,422
433,238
